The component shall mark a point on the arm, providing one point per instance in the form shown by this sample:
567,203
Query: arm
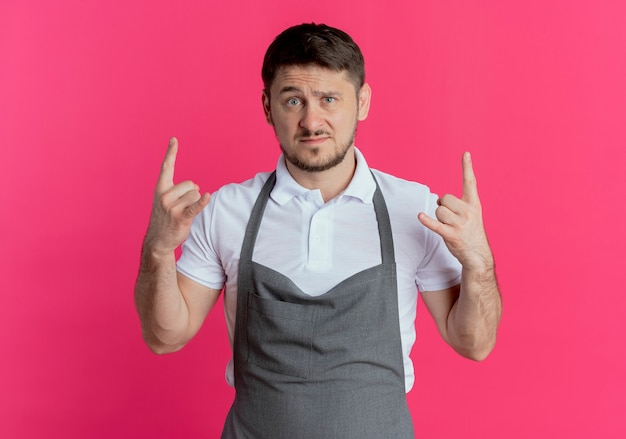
467,315
171,306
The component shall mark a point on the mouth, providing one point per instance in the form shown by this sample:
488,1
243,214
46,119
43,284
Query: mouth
317,140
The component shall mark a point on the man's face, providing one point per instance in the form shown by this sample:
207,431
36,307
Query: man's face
314,112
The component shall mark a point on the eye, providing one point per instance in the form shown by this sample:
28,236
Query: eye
293,102
329,100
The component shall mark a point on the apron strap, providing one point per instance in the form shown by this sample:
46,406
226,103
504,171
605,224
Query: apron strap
256,216
384,226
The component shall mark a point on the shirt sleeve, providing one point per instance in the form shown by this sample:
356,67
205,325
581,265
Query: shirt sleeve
199,260
438,270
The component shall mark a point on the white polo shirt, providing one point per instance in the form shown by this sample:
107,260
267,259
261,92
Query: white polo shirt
317,244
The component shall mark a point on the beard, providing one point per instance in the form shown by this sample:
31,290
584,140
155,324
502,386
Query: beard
309,165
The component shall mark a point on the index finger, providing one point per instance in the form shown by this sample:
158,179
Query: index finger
470,192
166,177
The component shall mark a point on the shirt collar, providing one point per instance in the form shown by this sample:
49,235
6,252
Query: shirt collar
362,185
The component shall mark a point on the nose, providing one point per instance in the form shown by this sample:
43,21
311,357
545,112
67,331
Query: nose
312,118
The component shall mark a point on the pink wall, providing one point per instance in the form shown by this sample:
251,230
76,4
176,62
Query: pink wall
90,92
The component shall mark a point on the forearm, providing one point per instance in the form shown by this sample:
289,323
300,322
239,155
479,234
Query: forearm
160,304
474,317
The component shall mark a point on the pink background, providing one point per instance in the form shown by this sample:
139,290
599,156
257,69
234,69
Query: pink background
91,91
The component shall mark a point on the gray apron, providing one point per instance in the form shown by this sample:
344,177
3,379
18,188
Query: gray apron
321,367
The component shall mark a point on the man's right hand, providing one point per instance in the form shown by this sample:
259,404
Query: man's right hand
174,207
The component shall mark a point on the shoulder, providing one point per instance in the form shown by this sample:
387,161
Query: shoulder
240,195
405,199
251,186
223,221
398,191
233,202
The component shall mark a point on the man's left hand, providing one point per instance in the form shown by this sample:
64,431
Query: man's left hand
460,223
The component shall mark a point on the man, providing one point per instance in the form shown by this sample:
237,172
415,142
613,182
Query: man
320,262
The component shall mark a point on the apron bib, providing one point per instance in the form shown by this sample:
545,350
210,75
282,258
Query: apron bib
325,367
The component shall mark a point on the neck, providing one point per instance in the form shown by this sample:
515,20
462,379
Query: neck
330,182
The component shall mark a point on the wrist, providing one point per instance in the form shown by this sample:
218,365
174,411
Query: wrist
480,271
154,249
479,267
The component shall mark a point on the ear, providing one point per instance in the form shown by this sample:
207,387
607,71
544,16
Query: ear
265,99
364,97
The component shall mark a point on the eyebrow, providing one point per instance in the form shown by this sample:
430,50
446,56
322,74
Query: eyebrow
292,88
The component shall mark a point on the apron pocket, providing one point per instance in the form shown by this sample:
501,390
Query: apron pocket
280,335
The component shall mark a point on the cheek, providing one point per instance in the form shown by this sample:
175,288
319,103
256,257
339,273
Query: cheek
282,128
280,125
284,121
344,121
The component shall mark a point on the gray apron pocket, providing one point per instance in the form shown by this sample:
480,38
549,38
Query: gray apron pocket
280,335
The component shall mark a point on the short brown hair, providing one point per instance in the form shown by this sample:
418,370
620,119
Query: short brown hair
318,44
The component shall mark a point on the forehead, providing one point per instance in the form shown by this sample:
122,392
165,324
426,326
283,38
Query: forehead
312,77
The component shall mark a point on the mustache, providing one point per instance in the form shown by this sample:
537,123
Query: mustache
316,133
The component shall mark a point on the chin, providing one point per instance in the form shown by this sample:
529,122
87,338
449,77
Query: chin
318,164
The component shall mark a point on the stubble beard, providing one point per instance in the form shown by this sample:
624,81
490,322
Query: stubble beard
333,161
